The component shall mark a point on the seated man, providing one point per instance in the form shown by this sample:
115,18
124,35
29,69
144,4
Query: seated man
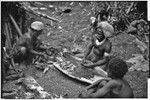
116,87
140,29
98,52
28,44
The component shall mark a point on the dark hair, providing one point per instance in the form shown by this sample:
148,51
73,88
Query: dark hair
117,67
102,13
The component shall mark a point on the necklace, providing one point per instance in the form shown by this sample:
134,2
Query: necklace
99,43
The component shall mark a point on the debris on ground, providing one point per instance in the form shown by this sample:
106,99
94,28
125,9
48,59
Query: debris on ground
13,76
30,9
138,63
141,45
71,35
31,85
9,95
29,95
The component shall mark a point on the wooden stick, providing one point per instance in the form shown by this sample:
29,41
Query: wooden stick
7,35
130,7
10,46
15,24
10,33
48,17
30,10
20,24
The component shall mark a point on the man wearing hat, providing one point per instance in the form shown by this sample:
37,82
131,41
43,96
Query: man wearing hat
28,44
98,51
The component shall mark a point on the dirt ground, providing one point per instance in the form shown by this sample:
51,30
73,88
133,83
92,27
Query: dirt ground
75,24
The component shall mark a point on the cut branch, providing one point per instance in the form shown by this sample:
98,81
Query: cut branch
10,46
30,10
15,24
129,9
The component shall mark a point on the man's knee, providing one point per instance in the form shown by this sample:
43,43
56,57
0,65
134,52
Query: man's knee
100,71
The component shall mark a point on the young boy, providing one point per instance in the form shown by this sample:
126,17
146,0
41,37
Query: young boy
116,87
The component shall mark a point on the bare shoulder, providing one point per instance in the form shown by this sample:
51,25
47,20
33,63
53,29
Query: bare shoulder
27,35
108,43
108,46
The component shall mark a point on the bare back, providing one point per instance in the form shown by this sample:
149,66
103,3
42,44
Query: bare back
121,89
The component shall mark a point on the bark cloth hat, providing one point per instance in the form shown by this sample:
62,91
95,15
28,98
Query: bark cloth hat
107,28
37,25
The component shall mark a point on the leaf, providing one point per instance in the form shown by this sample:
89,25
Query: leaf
29,95
139,63
141,45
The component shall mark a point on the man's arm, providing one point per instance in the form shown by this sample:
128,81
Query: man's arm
21,41
99,63
94,84
107,52
36,53
103,91
88,50
105,57
43,47
108,47
41,44
97,83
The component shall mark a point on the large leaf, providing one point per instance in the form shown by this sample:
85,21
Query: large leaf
138,63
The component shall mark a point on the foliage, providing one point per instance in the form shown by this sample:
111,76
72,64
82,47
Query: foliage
121,14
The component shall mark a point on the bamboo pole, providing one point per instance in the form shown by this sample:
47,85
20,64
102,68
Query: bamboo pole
10,46
20,24
130,7
10,33
7,35
15,24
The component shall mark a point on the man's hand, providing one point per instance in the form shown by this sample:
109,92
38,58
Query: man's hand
83,61
87,64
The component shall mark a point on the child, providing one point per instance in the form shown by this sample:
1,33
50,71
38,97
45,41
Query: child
116,87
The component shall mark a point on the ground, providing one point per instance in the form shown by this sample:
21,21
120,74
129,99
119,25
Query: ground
74,25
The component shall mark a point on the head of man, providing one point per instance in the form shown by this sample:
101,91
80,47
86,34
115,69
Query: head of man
99,35
117,68
37,28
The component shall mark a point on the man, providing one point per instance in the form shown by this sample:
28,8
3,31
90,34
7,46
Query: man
140,29
28,45
116,87
99,50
